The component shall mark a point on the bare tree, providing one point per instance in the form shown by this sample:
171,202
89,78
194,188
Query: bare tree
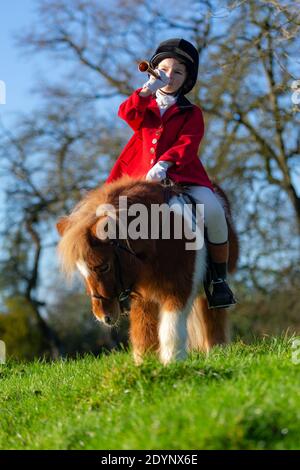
46,165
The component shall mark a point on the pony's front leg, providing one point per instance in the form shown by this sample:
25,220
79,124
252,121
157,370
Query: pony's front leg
143,328
173,332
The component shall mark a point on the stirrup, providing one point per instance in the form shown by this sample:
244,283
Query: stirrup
226,298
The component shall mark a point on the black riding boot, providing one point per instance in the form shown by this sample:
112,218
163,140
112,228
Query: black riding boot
221,295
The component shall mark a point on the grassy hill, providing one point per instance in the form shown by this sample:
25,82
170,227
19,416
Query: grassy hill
239,397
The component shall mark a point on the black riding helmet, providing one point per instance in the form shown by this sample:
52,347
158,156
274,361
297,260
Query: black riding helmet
183,51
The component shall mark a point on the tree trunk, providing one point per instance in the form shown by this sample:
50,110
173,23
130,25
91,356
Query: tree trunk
51,339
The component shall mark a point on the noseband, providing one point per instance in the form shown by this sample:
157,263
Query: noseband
124,295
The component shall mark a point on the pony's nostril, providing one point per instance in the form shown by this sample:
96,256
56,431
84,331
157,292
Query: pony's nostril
107,319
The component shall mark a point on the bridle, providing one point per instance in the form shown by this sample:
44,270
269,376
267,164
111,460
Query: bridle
123,296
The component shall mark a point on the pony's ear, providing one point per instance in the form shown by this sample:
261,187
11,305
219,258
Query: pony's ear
62,224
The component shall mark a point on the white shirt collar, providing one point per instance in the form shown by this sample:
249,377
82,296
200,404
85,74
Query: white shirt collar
164,101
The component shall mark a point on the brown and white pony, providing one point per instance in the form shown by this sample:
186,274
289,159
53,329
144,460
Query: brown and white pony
167,313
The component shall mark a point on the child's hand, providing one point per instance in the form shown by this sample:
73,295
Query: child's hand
158,172
154,84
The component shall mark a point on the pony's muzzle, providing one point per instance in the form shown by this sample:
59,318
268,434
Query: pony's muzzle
107,312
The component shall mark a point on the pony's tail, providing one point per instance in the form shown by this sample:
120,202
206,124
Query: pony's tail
232,233
233,246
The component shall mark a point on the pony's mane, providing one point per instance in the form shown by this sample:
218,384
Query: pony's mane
75,243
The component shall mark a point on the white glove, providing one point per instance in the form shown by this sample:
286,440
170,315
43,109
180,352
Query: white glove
153,84
159,171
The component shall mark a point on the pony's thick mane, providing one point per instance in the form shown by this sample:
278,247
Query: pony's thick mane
75,243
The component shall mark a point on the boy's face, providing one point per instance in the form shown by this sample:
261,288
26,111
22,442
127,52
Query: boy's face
176,72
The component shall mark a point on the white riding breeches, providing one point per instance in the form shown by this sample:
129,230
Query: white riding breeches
214,215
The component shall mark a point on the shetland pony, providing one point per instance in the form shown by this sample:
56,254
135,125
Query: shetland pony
161,278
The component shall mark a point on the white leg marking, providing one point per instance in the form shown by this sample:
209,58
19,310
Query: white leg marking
172,336
173,325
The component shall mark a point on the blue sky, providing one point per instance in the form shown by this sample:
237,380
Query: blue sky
17,70
22,72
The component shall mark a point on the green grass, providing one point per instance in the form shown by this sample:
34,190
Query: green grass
239,397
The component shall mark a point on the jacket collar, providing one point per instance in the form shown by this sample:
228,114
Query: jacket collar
181,105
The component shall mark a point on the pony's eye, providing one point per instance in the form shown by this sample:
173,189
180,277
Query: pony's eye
102,268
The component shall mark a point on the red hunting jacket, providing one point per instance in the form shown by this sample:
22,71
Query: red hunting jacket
173,137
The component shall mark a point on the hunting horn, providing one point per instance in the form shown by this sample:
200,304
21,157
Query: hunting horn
144,66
